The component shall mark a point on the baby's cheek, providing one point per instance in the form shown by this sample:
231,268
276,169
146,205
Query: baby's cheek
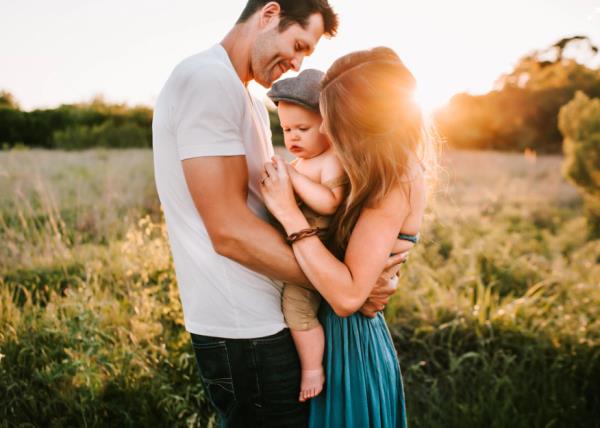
321,140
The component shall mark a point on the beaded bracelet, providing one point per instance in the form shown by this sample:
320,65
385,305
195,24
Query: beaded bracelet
304,233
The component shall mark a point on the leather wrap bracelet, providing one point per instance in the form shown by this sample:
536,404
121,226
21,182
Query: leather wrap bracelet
304,233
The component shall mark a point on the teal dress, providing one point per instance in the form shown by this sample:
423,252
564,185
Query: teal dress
363,383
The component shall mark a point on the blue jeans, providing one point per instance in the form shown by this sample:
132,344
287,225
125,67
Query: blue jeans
252,382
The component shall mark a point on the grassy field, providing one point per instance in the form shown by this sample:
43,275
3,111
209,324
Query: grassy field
497,319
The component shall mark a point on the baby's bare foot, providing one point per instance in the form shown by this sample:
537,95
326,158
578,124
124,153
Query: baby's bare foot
311,384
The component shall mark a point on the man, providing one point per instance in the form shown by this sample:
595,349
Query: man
210,140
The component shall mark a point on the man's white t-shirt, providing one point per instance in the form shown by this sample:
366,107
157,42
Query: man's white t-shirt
205,110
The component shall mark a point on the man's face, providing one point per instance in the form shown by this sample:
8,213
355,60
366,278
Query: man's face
275,53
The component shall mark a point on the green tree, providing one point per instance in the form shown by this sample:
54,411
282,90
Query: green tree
579,122
75,126
109,134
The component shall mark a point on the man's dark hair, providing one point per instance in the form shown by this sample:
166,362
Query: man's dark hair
296,12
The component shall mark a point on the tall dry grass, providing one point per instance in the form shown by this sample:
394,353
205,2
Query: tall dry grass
496,320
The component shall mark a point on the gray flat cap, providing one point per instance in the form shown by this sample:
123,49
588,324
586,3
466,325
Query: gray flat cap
302,90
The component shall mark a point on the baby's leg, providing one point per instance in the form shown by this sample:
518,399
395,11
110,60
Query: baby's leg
300,308
311,347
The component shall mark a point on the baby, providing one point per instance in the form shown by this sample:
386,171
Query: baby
319,182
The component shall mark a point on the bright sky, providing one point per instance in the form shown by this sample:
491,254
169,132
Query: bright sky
64,51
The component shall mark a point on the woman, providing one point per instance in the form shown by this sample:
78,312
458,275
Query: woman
378,134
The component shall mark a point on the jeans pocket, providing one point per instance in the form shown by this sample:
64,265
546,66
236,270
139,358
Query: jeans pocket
215,373
279,367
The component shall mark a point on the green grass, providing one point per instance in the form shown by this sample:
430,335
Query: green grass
496,320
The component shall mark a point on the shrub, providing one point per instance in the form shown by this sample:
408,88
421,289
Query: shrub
579,122
107,134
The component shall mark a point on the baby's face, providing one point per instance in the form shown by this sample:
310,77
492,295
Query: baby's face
301,132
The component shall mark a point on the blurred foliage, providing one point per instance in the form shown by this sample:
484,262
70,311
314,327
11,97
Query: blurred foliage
7,100
579,122
276,131
108,134
522,113
76,126
496,319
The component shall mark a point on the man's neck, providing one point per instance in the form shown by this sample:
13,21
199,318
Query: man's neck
237,45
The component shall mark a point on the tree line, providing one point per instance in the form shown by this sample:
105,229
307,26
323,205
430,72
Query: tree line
75,126
84,125
520,113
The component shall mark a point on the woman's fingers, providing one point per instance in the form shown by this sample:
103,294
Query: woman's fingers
280,165
270,171
277,168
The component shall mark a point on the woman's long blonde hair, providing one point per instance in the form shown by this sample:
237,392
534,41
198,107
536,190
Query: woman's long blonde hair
376,128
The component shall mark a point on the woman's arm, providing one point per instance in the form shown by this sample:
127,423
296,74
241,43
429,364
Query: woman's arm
344,285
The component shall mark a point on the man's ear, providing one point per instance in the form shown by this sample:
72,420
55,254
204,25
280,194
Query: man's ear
269,13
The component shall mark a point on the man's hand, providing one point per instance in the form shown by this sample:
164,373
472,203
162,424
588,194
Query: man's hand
385,287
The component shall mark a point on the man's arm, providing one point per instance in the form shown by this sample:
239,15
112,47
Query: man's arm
219,187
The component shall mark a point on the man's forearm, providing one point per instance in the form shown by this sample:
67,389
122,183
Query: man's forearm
256,244
235,231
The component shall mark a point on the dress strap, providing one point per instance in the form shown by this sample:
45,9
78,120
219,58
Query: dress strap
412,238
336,182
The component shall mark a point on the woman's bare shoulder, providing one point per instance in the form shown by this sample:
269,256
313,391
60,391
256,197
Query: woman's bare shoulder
413,181
407,197
391,203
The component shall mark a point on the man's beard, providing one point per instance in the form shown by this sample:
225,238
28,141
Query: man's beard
263,71
264,76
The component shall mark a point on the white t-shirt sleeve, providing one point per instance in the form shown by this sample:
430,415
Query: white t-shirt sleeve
209,116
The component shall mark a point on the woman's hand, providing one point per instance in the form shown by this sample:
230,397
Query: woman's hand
277,191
